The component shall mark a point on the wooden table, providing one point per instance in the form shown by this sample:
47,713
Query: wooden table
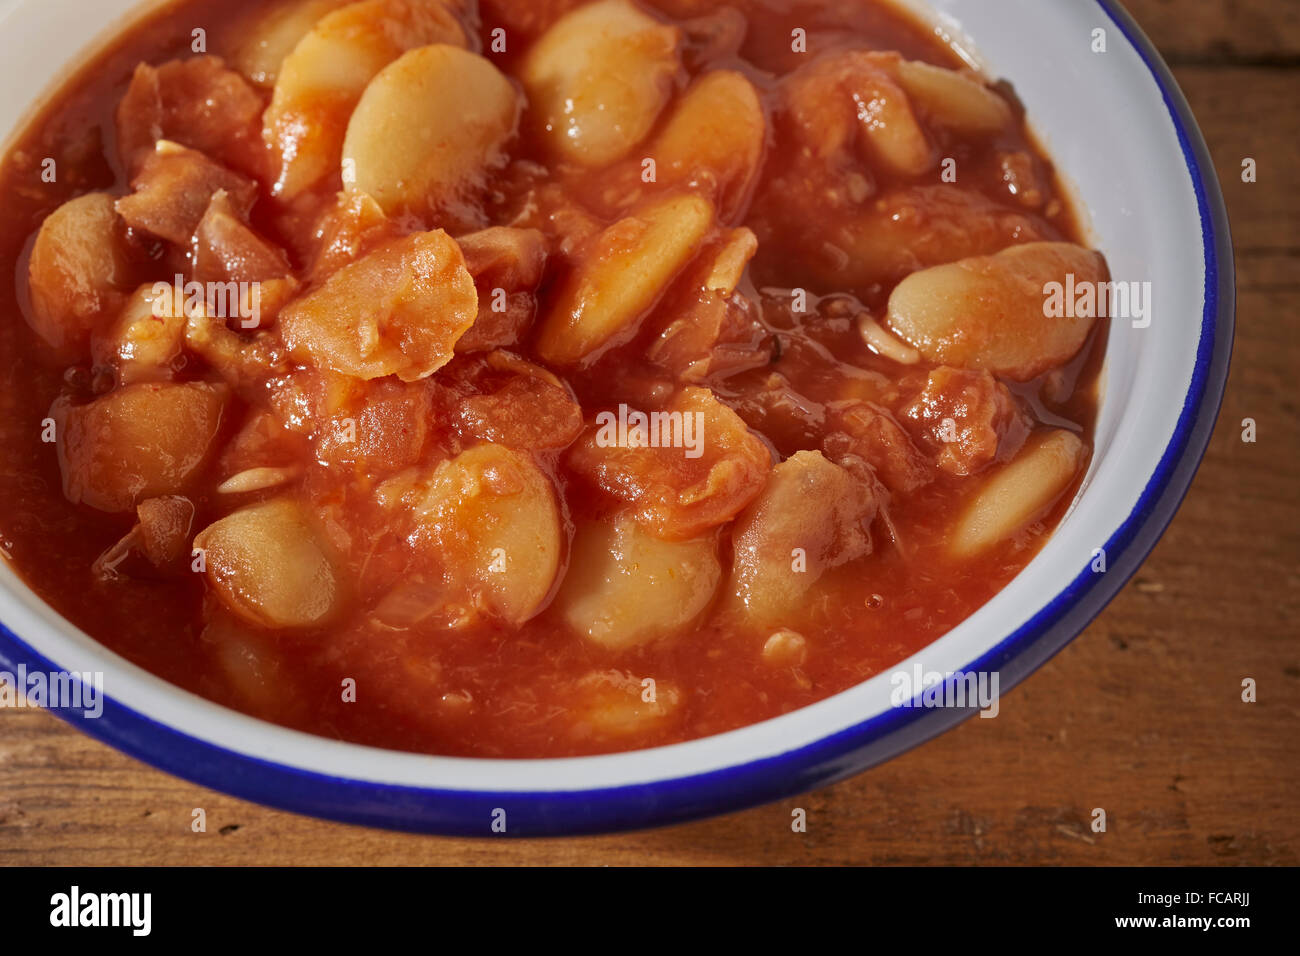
1141,715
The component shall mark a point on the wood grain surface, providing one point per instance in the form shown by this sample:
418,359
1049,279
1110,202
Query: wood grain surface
1141,715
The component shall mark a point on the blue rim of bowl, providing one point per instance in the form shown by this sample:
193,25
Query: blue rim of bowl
662,802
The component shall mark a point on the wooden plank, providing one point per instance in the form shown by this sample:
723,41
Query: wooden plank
1251,114
1222,33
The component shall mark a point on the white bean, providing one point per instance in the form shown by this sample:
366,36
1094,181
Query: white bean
427,126
718,130
627,270
890,129
273,36
990,312
492,515
322,80
251,665
625,587
598,79
812,516
884,344
76,272
1019,492
267,563
139,441
954,100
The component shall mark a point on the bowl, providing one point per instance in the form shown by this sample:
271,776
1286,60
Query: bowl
1118,127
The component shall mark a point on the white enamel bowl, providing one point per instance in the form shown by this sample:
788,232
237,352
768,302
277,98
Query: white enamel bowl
1117,124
